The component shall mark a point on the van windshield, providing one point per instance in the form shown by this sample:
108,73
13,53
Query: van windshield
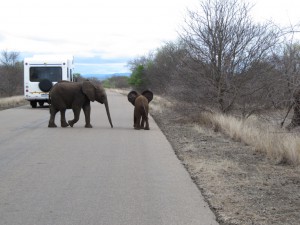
50,73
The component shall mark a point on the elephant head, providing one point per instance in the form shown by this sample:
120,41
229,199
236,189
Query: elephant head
97,93
133,95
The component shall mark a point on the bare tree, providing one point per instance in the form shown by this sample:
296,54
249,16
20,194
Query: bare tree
287,62
11,74
9,58
164,71
225,46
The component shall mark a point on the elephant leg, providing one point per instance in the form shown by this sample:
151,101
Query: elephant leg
138,122
63,118
53,112
87,113
147,123
134,120
143,122
76,112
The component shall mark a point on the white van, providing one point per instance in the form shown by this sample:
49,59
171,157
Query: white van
41,72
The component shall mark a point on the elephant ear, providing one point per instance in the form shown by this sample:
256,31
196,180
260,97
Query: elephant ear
132,96
148,94
89,90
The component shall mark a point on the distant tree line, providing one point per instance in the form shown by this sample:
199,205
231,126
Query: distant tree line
11,74
116,82
225,60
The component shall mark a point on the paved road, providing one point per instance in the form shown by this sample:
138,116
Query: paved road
98,176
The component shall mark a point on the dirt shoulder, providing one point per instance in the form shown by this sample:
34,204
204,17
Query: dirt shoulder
11,102
241,185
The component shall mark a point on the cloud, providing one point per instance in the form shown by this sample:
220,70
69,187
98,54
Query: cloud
100,34
104,35
2,37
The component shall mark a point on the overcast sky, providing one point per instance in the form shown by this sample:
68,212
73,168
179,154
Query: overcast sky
104,35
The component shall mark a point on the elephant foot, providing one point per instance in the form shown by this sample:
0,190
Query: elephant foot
88,126
64,124
52,125
71,123
137,128
147,128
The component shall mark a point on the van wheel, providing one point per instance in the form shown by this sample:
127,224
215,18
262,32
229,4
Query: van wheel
45,85
33,104
41,103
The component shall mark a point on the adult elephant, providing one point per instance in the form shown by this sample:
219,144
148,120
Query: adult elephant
76,96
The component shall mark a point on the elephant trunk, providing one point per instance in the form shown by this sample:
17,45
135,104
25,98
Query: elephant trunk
107,112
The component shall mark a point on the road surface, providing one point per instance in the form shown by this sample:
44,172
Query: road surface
98,176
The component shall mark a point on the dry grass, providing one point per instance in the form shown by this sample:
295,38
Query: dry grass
12,101
279,145
159,103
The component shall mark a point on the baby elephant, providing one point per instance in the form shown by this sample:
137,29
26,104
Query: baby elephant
141,108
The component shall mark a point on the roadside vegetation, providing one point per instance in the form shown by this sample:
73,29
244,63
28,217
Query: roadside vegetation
260,131
11,102
11,74
120,82
234,68
278,145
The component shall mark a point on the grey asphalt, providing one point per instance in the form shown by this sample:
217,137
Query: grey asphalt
98,176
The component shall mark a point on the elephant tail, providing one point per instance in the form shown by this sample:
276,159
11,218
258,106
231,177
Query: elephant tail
146,114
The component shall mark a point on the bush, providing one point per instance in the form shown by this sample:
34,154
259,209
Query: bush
136,77
11,74
116,82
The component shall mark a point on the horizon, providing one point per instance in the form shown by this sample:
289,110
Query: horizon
105,76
